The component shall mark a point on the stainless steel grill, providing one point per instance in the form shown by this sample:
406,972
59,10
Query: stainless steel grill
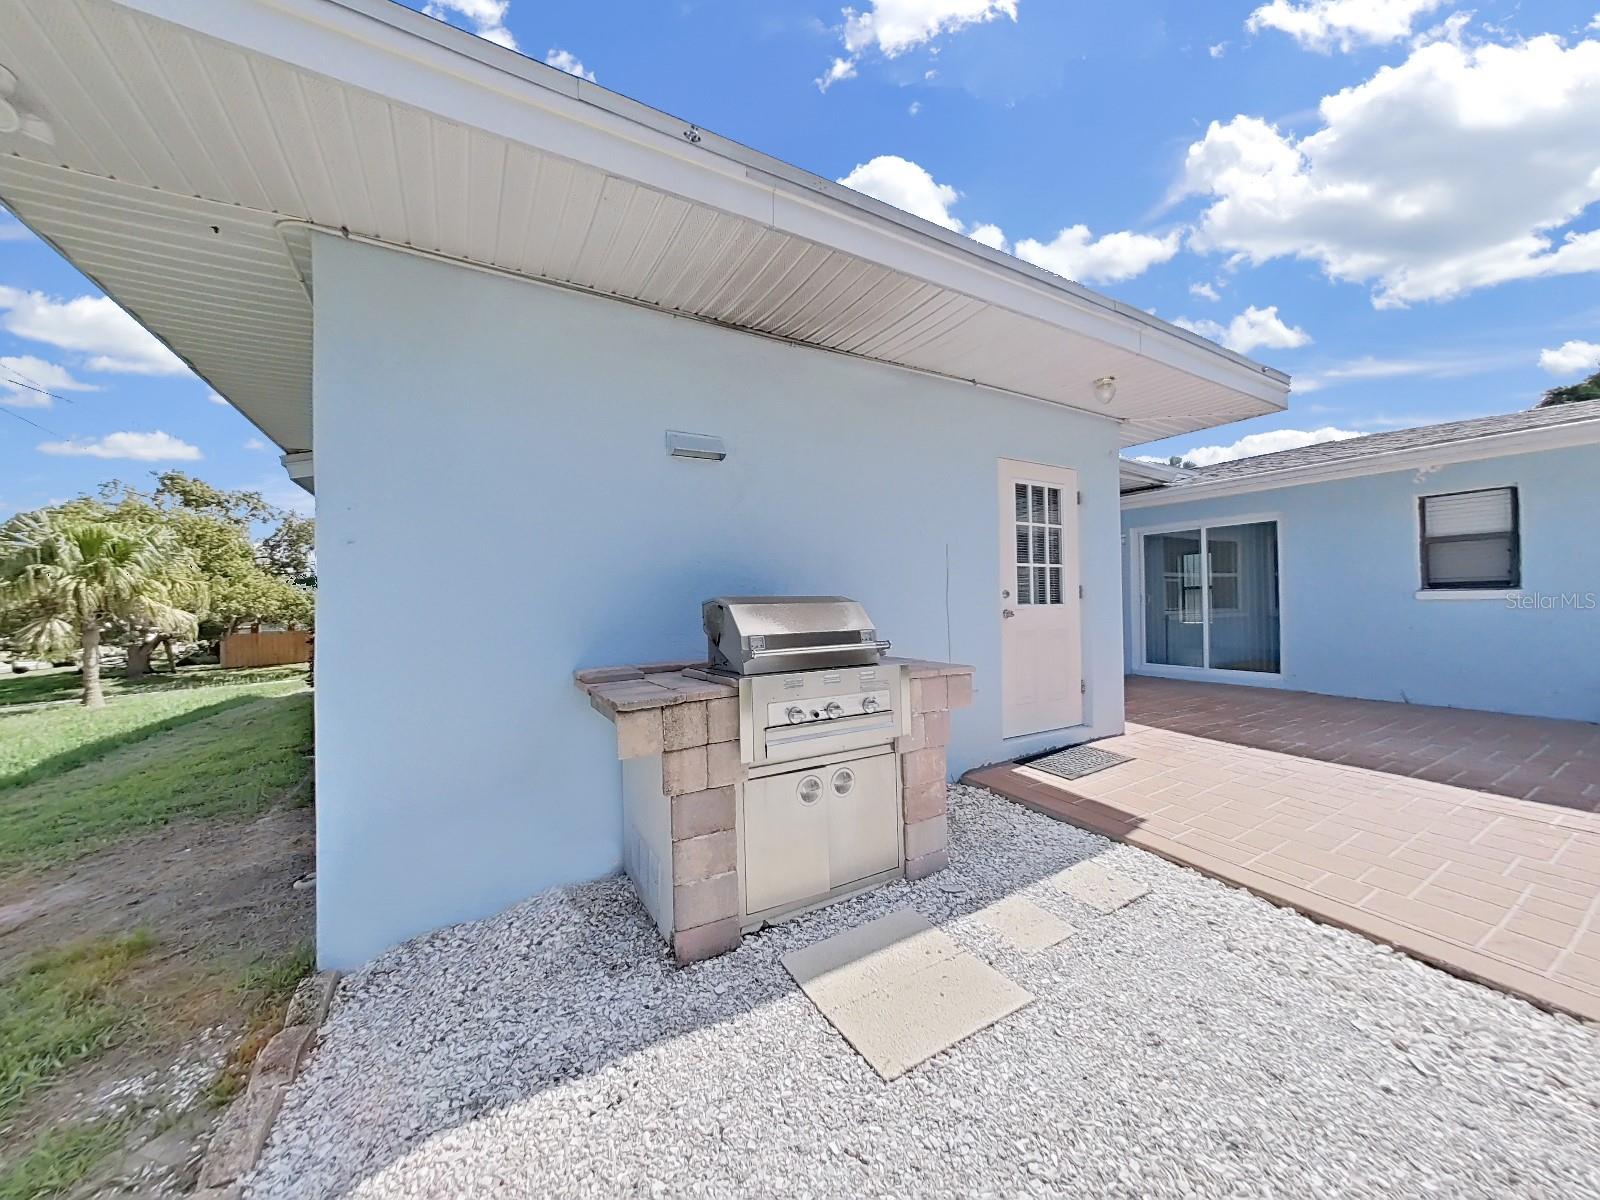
819,711
772,635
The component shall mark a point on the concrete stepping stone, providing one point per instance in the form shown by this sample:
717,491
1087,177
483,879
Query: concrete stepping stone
900,991
1024,924
1095,886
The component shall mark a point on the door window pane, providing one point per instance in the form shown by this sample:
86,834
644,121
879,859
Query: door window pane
1039,544
1244,596
1173,633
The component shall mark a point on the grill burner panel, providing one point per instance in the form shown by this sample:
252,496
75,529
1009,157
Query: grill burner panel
772,635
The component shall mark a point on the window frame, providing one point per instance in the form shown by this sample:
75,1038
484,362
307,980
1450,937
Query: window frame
1426,587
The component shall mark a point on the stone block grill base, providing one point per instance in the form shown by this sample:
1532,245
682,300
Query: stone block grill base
691,725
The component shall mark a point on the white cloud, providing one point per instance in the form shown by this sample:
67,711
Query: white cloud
92,325
1323,24
1447,366
487,17
907,186
13,231
566,60
1252,329
1076,254
216,399
990,235
839,69
1452,171
1569,358
916,107
892,27
1204,290
26,381
895,26
142,447
1218,50
255,444
1262,443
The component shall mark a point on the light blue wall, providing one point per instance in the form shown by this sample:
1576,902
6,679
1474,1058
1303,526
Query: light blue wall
496,508
1353,625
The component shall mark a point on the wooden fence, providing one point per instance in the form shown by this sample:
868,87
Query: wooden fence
266,649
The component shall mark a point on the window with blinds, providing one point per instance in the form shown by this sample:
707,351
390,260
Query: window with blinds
1038,544
1471,540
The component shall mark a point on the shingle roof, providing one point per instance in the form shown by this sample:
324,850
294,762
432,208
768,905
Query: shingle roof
1370,444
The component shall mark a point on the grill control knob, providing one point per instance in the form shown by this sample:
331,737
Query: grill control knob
795,713
833,709
869,704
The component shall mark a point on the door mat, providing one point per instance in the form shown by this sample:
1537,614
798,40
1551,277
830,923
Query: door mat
900,991
1075,761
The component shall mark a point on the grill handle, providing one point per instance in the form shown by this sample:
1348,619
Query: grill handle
834,649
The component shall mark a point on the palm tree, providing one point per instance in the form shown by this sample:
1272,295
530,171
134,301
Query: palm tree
69,576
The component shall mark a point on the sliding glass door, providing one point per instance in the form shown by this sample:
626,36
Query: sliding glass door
1211,598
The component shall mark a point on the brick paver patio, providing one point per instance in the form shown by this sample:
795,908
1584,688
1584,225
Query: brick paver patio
1529,758
1500,890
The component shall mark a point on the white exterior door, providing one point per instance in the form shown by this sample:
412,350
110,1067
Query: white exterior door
1041,651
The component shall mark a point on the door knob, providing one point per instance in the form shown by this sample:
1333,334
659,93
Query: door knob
1006,612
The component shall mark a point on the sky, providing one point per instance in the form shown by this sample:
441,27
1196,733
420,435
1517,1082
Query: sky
1395,201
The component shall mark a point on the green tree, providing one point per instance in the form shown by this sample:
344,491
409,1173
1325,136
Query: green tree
1584,389
246,582
71,574
289,551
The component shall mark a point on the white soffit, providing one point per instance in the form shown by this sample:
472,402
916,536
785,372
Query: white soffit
186,167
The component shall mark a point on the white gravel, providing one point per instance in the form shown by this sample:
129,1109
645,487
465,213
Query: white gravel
1199,1042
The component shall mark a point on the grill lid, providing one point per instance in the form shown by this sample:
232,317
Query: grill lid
761,635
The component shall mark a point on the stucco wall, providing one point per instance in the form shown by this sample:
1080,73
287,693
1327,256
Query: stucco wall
1353,625
496,508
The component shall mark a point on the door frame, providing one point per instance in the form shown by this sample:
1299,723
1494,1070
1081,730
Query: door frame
1056,475
1136,604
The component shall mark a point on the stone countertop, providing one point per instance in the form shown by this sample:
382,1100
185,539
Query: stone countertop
613,690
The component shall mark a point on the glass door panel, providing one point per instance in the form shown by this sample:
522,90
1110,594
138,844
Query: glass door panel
1174,613
1244,597
1211,598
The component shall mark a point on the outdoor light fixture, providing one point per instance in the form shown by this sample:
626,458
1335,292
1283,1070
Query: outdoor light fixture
695,445
1105,389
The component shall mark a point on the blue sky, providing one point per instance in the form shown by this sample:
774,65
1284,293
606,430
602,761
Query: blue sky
1396,201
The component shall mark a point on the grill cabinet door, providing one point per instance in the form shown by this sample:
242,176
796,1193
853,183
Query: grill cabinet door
785,839
863,819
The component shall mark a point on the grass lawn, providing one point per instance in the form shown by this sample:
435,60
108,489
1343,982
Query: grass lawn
231,756
36,743
59,1158
59,1010
204,746
65,684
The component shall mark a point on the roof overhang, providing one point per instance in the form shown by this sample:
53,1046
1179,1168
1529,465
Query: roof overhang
197,143
1135,476
301,469
1413,458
